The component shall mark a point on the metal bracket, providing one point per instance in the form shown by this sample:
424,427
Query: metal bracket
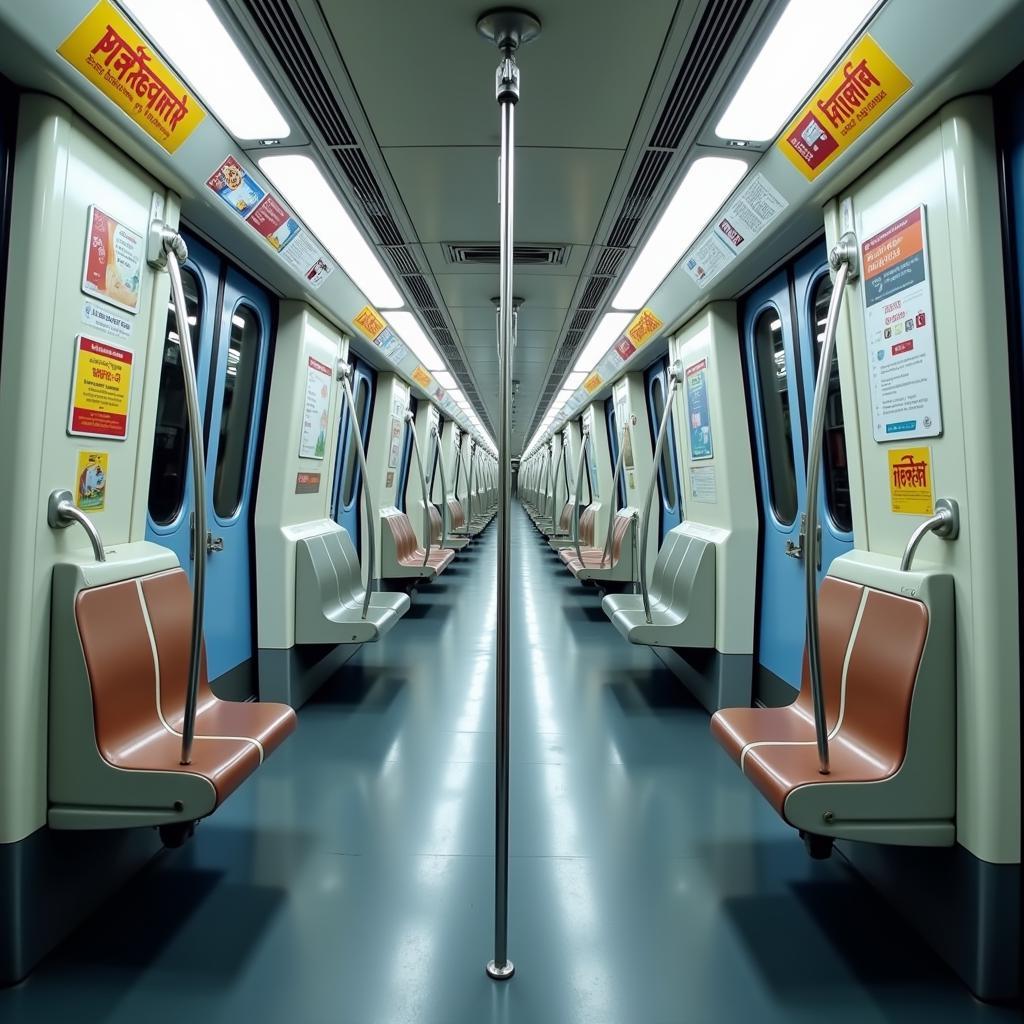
847,251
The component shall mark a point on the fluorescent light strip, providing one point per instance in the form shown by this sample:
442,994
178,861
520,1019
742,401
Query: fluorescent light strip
313,198
416,339
803,44
445,379
706,185
604,336
192,37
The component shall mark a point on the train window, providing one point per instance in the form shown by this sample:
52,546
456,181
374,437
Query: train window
837,476
776,414
240,370
170,440
350,478
666,478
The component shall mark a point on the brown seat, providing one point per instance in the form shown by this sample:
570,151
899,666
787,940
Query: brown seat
407,550
871,648
587,517
590,557
135,637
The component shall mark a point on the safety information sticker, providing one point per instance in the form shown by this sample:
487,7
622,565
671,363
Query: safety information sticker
91,494
864,86
113,261
313,438
910,481
95,314
698,411
704,485
101,387
108,52
899,329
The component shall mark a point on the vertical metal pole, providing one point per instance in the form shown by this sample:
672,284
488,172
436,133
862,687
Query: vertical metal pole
507,94
844,261
175,249
444,487
584,437
371,525
614,507
410,419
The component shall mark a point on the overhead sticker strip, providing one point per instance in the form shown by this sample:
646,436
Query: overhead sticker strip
864,86
643,327
369,322
113,261
101,387
107,50
899,329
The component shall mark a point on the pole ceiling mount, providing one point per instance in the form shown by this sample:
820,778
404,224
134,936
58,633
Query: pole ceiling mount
508,27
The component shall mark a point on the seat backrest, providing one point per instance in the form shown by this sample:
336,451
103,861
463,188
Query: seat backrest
403,534
436,526
135,637
871,647
456,516
623,519
339,565
587,517
565,518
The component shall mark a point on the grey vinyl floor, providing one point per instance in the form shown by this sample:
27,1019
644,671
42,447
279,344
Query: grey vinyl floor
350,881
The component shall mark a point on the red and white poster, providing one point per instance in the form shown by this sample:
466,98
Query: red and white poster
101,389
113,261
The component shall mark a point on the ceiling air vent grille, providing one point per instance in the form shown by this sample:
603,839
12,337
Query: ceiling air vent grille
711,40
488,253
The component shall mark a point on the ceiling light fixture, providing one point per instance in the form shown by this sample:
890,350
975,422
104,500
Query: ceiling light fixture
313,198
415,338
809,27
705,186
201,48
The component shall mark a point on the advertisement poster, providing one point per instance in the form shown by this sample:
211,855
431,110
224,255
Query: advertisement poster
708,258
396,442
698,411
910,481
91,493
107,50
101,387
750,211
643,327
274,223
862,88
313,439
307,483
307,258
231,182
421,377
113,261
369,322
899,327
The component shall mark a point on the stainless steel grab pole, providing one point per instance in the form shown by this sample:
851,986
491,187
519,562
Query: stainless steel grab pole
410,419
61,512
177,253
584,437
371,525
469,485
444,486
675,375
844,261
945,524
613,507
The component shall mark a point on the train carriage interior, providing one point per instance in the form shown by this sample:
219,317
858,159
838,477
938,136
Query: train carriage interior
511,514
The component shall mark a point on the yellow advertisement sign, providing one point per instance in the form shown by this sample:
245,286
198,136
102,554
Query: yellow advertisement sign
370,322
421,377
643,327
910,481
862,88
122,64
91,492
592,383
101,386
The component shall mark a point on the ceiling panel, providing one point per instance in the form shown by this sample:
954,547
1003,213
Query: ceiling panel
548,290
426,78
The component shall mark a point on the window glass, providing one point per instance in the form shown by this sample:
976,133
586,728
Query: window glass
171,440
775,412
666,478
350,477
236,411
837,474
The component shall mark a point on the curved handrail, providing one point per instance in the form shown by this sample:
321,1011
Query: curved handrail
176,252
584,438
945,524
357,434
675,376
554,484
410,420
615,497
843,259
444,485
61,512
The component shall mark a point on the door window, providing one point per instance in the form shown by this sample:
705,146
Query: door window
240,369
776,415
171,439
350,477
837,475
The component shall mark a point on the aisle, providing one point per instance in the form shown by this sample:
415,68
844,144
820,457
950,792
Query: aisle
350,882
